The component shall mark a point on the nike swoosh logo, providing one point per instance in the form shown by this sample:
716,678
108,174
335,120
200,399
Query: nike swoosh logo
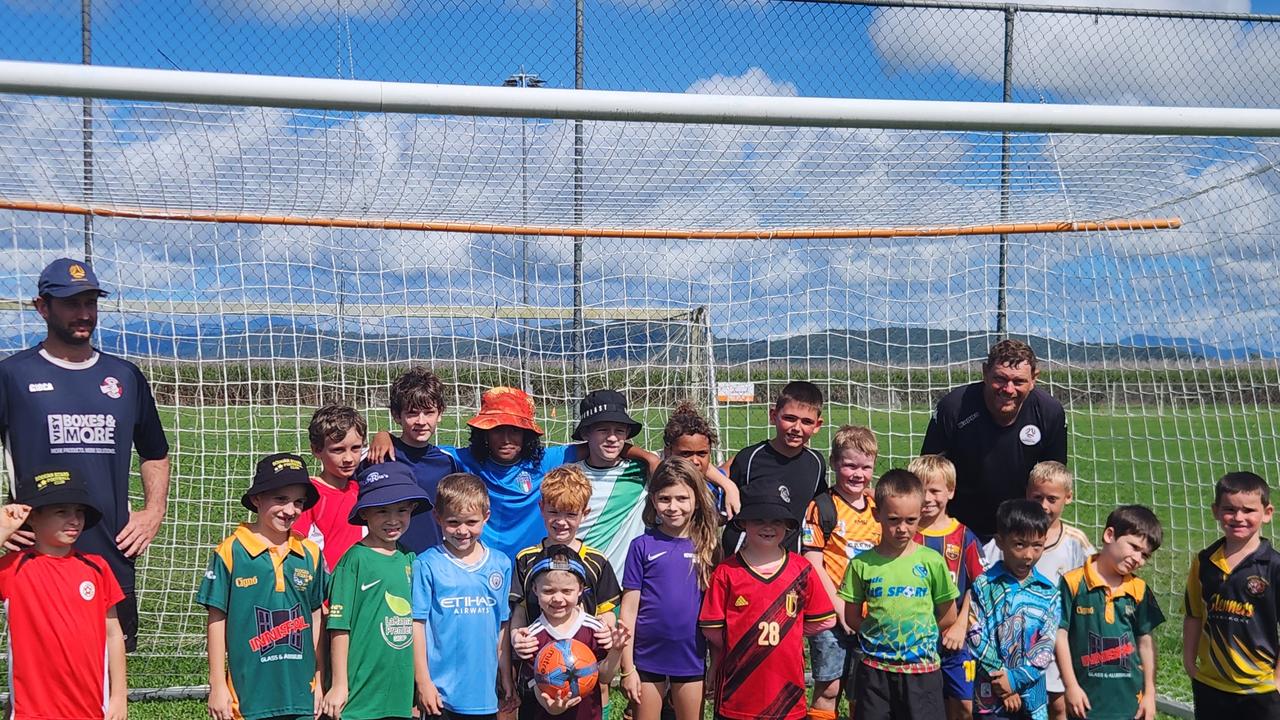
655,556
363,586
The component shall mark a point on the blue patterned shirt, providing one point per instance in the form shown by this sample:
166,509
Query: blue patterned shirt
1012,626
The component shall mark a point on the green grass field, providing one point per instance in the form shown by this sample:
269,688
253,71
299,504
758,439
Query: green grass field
1134,454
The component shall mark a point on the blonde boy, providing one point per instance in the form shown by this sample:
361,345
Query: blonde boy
460,586
961,551
838,525
1065,548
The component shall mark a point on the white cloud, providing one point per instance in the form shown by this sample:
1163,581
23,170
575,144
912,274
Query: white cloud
292,10
1093,58
754,81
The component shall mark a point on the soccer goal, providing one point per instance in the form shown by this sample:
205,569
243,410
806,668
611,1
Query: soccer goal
276,243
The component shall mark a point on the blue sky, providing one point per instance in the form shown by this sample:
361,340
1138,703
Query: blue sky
1212,280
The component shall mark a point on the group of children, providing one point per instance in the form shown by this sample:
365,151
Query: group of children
414,582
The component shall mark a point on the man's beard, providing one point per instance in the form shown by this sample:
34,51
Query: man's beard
67,335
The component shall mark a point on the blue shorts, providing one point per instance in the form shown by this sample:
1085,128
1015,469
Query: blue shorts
958,671
832,654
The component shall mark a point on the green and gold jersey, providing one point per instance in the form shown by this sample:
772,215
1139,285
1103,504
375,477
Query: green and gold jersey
269,596
369,597
1103,627
1239,609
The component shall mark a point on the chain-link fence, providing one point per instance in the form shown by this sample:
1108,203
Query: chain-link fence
1162,346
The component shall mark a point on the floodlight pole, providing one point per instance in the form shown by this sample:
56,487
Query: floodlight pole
579,342
86,127
1002,299
525,80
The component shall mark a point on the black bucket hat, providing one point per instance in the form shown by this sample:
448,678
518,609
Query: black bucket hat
277,471
387,484
601,406
60,487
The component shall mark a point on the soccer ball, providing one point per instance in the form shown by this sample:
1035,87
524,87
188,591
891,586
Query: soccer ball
565,669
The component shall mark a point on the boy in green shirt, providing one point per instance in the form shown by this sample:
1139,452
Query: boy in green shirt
898,599
1105,649
263,590
371,645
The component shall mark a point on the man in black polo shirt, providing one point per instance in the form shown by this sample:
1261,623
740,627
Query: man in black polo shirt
64,404
994,431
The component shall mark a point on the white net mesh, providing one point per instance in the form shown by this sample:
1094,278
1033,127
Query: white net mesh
1162,344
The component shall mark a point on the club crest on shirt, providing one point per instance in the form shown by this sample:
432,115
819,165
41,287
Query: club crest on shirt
301,578
1029,435
111,388
953,552
793,603
1256,585
87,590
524,481
495,580
785,493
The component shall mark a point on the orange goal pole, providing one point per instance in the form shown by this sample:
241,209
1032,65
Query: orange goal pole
817,233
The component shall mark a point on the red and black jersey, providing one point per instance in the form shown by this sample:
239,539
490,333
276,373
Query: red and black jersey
57,610
761,671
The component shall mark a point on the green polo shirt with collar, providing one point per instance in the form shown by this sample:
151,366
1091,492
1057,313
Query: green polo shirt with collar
268,595
1103,626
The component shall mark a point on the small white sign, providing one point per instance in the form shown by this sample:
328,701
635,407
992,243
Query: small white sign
736,392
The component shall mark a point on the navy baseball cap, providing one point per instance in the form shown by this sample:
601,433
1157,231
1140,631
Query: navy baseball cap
65,277
387,483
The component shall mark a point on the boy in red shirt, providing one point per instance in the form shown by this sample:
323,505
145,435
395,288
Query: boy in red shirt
337,435
66,648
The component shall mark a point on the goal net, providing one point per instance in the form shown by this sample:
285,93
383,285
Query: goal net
266,260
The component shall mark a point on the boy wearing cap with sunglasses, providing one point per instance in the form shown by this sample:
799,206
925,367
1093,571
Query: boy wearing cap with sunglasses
64,636
263,590
369,623
760,604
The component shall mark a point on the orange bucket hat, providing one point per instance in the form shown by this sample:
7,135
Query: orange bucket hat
505,406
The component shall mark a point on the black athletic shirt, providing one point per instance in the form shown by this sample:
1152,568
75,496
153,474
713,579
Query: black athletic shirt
87,418
796,480
993,462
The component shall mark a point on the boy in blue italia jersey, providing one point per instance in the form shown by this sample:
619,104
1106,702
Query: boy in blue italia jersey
460,610
65,404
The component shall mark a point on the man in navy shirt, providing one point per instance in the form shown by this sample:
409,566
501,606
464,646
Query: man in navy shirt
994,431
65,405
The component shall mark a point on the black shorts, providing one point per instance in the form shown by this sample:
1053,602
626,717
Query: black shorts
1214,704
127,612
883,694
658,679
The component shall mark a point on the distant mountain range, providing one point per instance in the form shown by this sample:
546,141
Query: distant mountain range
263,338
